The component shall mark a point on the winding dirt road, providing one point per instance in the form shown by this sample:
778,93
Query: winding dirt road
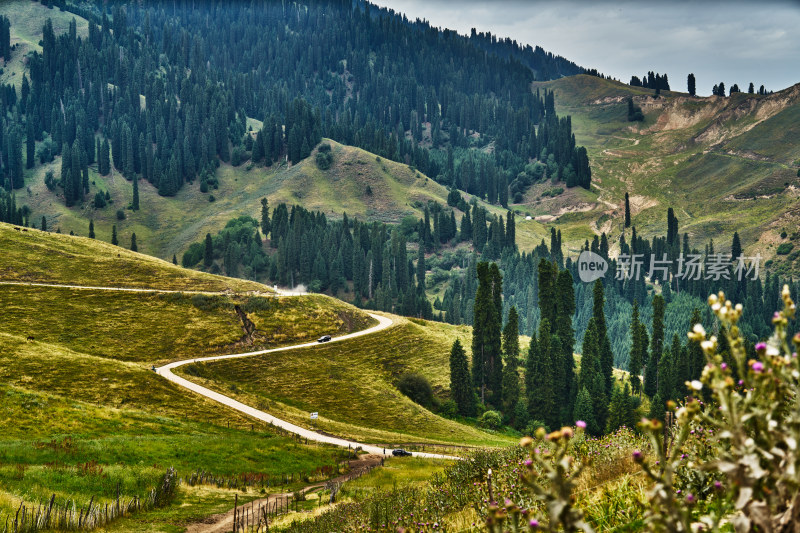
166,372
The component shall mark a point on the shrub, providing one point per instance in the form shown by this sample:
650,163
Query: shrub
50,180
324,159
417,388
785,248
491,420
120,214
449,409
99,200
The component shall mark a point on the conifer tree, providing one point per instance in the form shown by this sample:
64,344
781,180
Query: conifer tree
44,223
135,201
114,240
174,259
690,83
511,337
541,397
696,359
103,161
510,388
134,248
566,388
656,347
585,412
627,211
460,381
30,144
635,358
657,408
486,343
547,291
620,410
91,229
605,356
266,226
208,254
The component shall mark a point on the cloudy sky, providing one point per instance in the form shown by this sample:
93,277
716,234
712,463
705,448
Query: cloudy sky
732,41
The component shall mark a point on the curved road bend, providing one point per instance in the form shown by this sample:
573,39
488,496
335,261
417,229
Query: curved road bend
166,371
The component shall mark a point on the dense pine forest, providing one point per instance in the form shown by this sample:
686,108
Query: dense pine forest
160,93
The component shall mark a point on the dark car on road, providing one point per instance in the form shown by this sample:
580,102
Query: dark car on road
400,453
324,338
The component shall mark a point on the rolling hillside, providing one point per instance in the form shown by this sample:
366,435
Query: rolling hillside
724,164
77,388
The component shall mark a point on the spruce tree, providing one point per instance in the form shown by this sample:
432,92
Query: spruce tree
44,223
605,356
635,358
208,253
174,259
91,229
460,381
627,211
511,338
104,163
696,358
134,248
690,83
656,347
547,291
585,412
541,397
566,387
30,144
114,240
510,388
135,201
486,336
265,222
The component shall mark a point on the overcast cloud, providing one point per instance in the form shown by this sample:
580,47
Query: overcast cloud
733,42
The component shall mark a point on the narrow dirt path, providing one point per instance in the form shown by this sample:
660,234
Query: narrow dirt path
223,522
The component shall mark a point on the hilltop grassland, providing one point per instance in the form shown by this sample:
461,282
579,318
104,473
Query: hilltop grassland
723,164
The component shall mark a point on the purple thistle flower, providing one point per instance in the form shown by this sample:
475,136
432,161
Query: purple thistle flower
758,366
761,346
534,523
581,424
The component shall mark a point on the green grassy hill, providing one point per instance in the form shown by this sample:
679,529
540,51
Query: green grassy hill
83,412
724,164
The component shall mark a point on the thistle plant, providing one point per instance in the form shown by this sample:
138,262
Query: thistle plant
755,426
549,473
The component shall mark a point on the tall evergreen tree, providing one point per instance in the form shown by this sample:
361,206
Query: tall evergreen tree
266,226
91,229
656,347
461,381
585,412
114,240
635,358
627,211
606,357
134,248
690,83
541,395
208,254
511,338
135,201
